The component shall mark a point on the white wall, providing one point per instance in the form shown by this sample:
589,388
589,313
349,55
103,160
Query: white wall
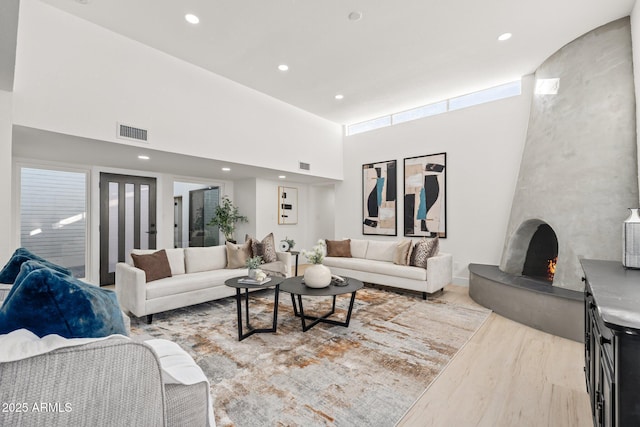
484,147
258,200
322,213
267,213
77,78
244,196
7,244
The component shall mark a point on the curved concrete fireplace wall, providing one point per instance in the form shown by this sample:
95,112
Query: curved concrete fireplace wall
579,169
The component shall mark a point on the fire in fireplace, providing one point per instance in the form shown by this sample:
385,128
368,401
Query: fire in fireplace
542,254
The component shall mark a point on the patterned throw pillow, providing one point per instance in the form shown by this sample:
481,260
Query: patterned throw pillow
265,248
423,250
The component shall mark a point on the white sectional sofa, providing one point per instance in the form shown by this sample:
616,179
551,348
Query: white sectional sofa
372,262
198,275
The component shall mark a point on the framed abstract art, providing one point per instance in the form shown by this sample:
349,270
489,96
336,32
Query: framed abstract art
379,204
425,196
287,205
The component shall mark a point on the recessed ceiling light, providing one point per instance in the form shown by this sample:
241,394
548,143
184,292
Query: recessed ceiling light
82,1
339,96
355,16
282,176
283,67
191,18
226,169
504,36
143,157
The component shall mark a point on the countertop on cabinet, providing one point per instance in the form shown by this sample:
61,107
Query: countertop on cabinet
616,291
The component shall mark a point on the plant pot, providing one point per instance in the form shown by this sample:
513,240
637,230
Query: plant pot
253,272
317,276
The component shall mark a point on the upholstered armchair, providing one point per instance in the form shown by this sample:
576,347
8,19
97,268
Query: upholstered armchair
109,382
65,359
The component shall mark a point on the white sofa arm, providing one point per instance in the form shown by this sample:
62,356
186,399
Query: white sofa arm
131,283
285,258
439,271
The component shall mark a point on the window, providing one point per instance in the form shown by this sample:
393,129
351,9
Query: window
486,95
369,125
53,221
506,90
420,112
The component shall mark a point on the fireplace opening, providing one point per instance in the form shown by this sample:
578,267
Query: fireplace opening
542,254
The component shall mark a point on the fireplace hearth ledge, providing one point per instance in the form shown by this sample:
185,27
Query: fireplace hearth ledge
550,309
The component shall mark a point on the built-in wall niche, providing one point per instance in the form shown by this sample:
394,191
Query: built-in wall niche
194,205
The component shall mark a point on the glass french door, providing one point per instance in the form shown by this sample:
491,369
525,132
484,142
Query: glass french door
127,219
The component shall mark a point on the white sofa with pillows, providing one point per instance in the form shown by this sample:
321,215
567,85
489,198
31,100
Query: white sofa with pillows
389,263
196,275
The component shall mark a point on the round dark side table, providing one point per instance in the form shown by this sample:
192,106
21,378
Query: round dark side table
296,287
235,283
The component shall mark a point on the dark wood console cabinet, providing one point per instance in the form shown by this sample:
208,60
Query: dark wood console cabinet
612,342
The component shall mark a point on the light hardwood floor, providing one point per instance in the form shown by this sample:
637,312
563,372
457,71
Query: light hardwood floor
507,375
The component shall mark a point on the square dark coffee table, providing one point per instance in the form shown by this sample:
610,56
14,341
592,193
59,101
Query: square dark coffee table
234,283
296,287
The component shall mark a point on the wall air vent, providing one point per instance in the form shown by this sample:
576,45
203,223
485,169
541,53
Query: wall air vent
304,166
132,133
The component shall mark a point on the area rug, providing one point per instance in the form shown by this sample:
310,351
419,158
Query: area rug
368,374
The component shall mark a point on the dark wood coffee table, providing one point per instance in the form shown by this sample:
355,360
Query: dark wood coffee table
274,282
296,287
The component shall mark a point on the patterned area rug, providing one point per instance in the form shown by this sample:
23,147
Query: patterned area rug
368,374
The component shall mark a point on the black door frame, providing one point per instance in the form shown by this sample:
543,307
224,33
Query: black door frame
106,277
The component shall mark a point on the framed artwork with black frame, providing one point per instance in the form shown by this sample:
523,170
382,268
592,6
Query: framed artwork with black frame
425,196
379,198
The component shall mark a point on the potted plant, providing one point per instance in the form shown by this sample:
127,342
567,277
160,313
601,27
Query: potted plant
253,264
225,218
318,275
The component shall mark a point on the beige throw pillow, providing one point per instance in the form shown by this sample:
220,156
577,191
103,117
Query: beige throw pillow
237,255
402,252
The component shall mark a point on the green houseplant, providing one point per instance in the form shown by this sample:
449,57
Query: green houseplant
225,218
253,264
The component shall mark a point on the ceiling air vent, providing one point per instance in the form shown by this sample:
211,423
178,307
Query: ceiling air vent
304,166
132,133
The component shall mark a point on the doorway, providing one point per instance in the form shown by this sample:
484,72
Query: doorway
127,219
177,222
202,207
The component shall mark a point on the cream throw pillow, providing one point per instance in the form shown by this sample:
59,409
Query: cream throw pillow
401,254
237,255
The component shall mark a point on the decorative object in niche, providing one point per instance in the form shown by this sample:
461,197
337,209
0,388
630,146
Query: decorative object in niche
425,207
379,194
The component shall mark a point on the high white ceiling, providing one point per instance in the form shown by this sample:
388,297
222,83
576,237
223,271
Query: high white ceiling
401,54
